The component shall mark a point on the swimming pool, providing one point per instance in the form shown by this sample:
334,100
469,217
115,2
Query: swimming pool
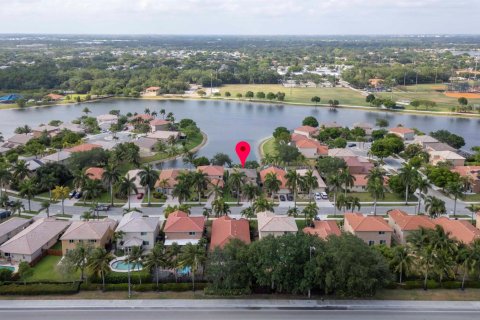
184,271
122,266
8,268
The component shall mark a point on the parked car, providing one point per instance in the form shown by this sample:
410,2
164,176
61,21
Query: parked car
72,194
318,197
78,195
351,145
282,198
140,196
289,197
324,195
103,207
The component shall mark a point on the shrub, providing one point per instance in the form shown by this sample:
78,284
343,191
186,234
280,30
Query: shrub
120,277
39,289
418,284
226,292
5,275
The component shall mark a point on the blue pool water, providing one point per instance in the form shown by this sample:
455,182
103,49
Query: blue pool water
122,265
8,268
184,271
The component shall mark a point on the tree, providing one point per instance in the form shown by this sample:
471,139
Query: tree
287,153
402,261
352,202
125,187
456,189
293,182
79,257
445,136
192,256
382,123
20,170
310,182
434,206
45,205
462,101
272,184
111,176
48,181
227,94
249,94
271,96
182,189
422,186
237,179
262,204
370,98
408,175
330,165
99,263
347,179
315,99
25,271
86,111
61,193
199,180
221,159
17,206
384,148
189,158
28,190
156,259
220,207
310,212
375,185
5,176
334,185
310,121
250,191
148,178
260,95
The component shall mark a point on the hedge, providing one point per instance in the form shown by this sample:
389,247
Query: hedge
177,287
39,289
226,292
120,277
432,284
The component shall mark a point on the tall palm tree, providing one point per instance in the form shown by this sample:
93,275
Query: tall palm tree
262,204
310,212
48,182
162,112
5,176
272,184
126,185
148,178
341,202
192,256
199,181
310,182
334,184
155,260
293,182
80,178
61,193
422,186
17,206
408,174
20,170
182,190
172,254
375,185
434,206
236,180
189,158
79,257
401,260
136,257
250,191
111,176
28,190
45,205
473,208
456,189
248,213
99,263
92,190
117,236
347,179
352,202
220,207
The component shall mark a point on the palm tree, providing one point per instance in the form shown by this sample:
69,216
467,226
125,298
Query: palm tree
347,180
236,180
272,184
156,259
248,213
20,170
61,193
92,190
172,254
434,206
375,186
162,112
86,111
220,207
45,205
126,185
146,111
199,181
334,184
352,202
192,256
262,204
80,178
341,202
111,176
473,208
87,215
136,257
17,206
401,260
28,190
189,158
310,182
48,182
148,178
310,212
456,189
250,191
466,256
79,256
293,182
99,263
408,175
117,236
5,176
182,190
422,186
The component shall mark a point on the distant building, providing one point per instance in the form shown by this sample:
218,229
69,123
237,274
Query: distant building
472,175
54,97
95,173
151,91
371,229
159,125
274,225
446,156
402,132
306,131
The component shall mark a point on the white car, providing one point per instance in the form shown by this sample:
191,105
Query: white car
318,198
324,195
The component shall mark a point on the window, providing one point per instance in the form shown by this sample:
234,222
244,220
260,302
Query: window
381,232
71,241
191,233
92,241
143,233
383,241
371,243
146,243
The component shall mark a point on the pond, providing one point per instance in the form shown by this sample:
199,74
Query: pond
227,122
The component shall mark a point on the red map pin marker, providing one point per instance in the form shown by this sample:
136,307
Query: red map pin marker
243,150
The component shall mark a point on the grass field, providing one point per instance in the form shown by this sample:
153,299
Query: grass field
268,147
46,270
389,197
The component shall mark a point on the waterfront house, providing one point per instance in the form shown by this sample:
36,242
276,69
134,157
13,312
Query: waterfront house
472,177
280,173
11,227
331,125
182,229
306,131
323,229
424,140
321,184
159,125
54,97
439,146
167,180
453,158
17,140
94,233
47,129
402,132
225,229
84,147
151,92
214,174
107,119
32,243
138,231
371,229
311,148
367,127
146,145
163,135
271,224
404,224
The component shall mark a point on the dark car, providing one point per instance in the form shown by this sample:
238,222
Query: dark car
351,145
103,207
140,196
78,195
289,197
72,194
282,198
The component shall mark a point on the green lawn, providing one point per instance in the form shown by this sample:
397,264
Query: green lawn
389,197
193,142
46,270
268,147
472,197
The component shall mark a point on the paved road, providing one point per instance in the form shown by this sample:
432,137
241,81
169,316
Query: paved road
146,314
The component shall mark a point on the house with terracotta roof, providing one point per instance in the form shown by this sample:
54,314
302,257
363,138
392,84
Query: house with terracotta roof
306,131
182,229
471,175
214,174
138,231
83,147
94,233
323,229
295,137
322,186
159,125
31,243
311,148
358,165
404,224
270,224
151,91
460,230
11,227
94,173
453,158
371,229
225,229
280,173
360,183
54,97
402,132
167,180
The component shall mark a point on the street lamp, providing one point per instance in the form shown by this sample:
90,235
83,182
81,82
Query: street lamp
310,250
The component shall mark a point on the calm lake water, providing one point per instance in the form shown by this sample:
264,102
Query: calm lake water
226,123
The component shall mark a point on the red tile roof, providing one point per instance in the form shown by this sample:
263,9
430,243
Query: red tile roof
95,173
307,129
323,229
297,137
408,222
361,223
84,147
145,117
159,122
401,130
212,170
179,221
170,176
225,228
461,230
310,144
468,171
280,173
54,96
152,89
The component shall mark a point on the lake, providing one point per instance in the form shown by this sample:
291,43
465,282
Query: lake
227,122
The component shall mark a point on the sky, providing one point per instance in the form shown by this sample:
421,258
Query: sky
231,17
